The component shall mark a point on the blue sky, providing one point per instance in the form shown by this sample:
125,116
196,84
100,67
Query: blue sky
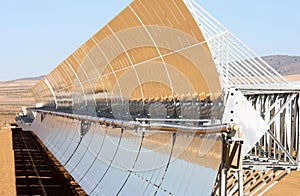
35,36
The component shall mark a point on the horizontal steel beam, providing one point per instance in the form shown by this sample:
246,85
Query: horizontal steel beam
142,125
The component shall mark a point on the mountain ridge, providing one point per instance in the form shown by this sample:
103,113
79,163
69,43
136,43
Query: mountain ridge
284,64
34,78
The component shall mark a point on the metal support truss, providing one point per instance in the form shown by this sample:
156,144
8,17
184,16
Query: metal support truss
273,156
230,178
279,147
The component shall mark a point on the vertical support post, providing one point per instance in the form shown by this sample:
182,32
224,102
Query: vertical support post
223,174
223,188
231,161
240,170
225,165
241,182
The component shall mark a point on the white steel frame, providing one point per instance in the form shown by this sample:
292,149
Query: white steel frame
236,63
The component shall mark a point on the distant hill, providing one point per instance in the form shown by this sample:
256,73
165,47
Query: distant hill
284,64
31,78
37,78
14,95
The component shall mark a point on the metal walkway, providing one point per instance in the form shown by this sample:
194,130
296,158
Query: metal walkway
36,173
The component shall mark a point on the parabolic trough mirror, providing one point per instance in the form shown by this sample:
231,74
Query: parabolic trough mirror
138,108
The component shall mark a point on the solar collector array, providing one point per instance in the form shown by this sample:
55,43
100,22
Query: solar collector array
150,61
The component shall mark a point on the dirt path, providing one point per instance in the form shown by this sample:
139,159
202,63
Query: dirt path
288,186
7,165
